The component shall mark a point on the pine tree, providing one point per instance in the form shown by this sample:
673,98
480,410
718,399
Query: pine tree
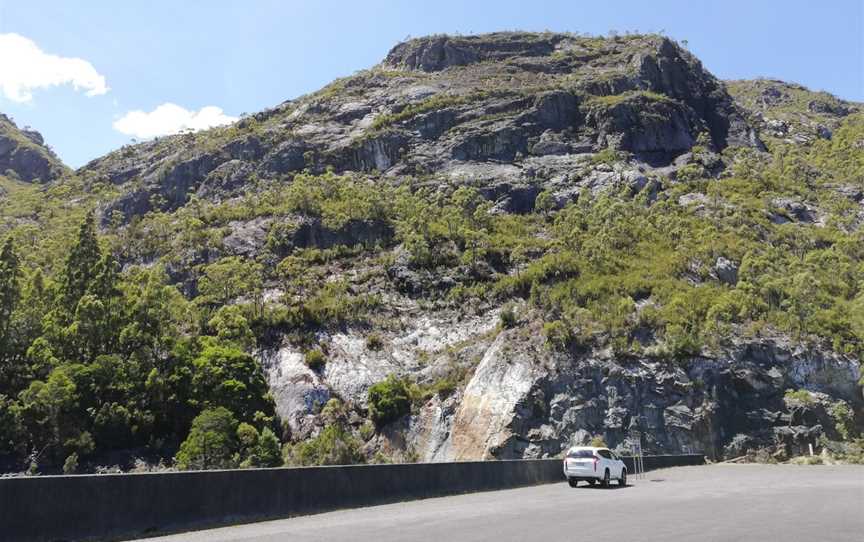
9,294
81,265
10,288
104,285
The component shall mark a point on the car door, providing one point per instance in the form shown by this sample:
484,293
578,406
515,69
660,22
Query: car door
619,465
606,462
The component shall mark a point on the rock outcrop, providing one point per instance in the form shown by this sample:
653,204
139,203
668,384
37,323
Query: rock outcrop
24,156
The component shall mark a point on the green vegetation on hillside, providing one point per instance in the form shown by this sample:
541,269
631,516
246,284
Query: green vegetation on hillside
95,359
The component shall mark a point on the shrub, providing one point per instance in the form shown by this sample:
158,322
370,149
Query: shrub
367,431
389,400
507,317
682,343
606,156
598,442
70,466
315,359
333,446
557,335
844,419
267,452
374,342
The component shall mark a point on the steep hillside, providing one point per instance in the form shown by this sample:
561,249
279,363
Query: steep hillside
485,246
509,111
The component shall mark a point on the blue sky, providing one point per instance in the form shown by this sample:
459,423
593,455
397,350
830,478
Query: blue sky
245,56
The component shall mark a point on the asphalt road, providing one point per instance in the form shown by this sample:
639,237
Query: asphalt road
783,503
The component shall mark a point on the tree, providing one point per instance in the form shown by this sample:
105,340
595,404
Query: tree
232,327
10,289
81,265
10,293
212,442
229,278
228,377
49,415
544,203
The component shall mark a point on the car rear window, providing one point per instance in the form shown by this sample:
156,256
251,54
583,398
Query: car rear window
580,453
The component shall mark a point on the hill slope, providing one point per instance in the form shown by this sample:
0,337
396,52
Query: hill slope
485,246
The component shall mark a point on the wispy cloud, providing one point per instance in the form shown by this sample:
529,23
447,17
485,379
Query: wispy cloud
169,119
24,67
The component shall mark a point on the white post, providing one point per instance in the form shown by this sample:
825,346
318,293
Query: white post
810,444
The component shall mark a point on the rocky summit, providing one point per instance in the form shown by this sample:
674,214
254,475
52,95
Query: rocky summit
491,246
24,156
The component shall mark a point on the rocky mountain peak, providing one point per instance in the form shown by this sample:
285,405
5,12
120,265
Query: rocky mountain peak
512,112
24,155
435,53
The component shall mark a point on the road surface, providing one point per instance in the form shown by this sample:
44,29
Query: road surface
784,503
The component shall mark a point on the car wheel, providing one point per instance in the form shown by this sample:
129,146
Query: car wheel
606,478
623,480
573,482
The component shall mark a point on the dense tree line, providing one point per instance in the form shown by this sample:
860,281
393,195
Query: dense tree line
92,363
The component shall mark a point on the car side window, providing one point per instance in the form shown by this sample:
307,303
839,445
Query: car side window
614,456
604,453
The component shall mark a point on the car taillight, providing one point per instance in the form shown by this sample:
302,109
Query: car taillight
596,459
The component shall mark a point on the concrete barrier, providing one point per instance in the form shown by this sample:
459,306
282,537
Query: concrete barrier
111,506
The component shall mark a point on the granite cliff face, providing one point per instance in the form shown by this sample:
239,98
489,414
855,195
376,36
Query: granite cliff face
513,115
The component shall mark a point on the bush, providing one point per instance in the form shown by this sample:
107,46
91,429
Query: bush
70,466
333,446
367,431
267,452
682,343
315,359
374,342
389,400
606,156
507,317
598,442
557,335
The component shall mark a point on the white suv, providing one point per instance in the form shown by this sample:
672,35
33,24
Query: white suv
593,465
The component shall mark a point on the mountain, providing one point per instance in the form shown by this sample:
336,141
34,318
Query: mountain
487,246
24,156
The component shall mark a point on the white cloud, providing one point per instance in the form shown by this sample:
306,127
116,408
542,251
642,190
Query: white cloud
169,119
25,67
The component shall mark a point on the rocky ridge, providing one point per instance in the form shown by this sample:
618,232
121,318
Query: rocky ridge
511,112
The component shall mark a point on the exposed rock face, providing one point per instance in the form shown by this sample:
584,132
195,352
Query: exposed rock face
440,52
524,402
24,156
442,106
494,400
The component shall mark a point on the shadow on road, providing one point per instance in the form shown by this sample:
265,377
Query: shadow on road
598,486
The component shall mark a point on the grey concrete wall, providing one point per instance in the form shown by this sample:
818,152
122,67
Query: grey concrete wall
111,506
